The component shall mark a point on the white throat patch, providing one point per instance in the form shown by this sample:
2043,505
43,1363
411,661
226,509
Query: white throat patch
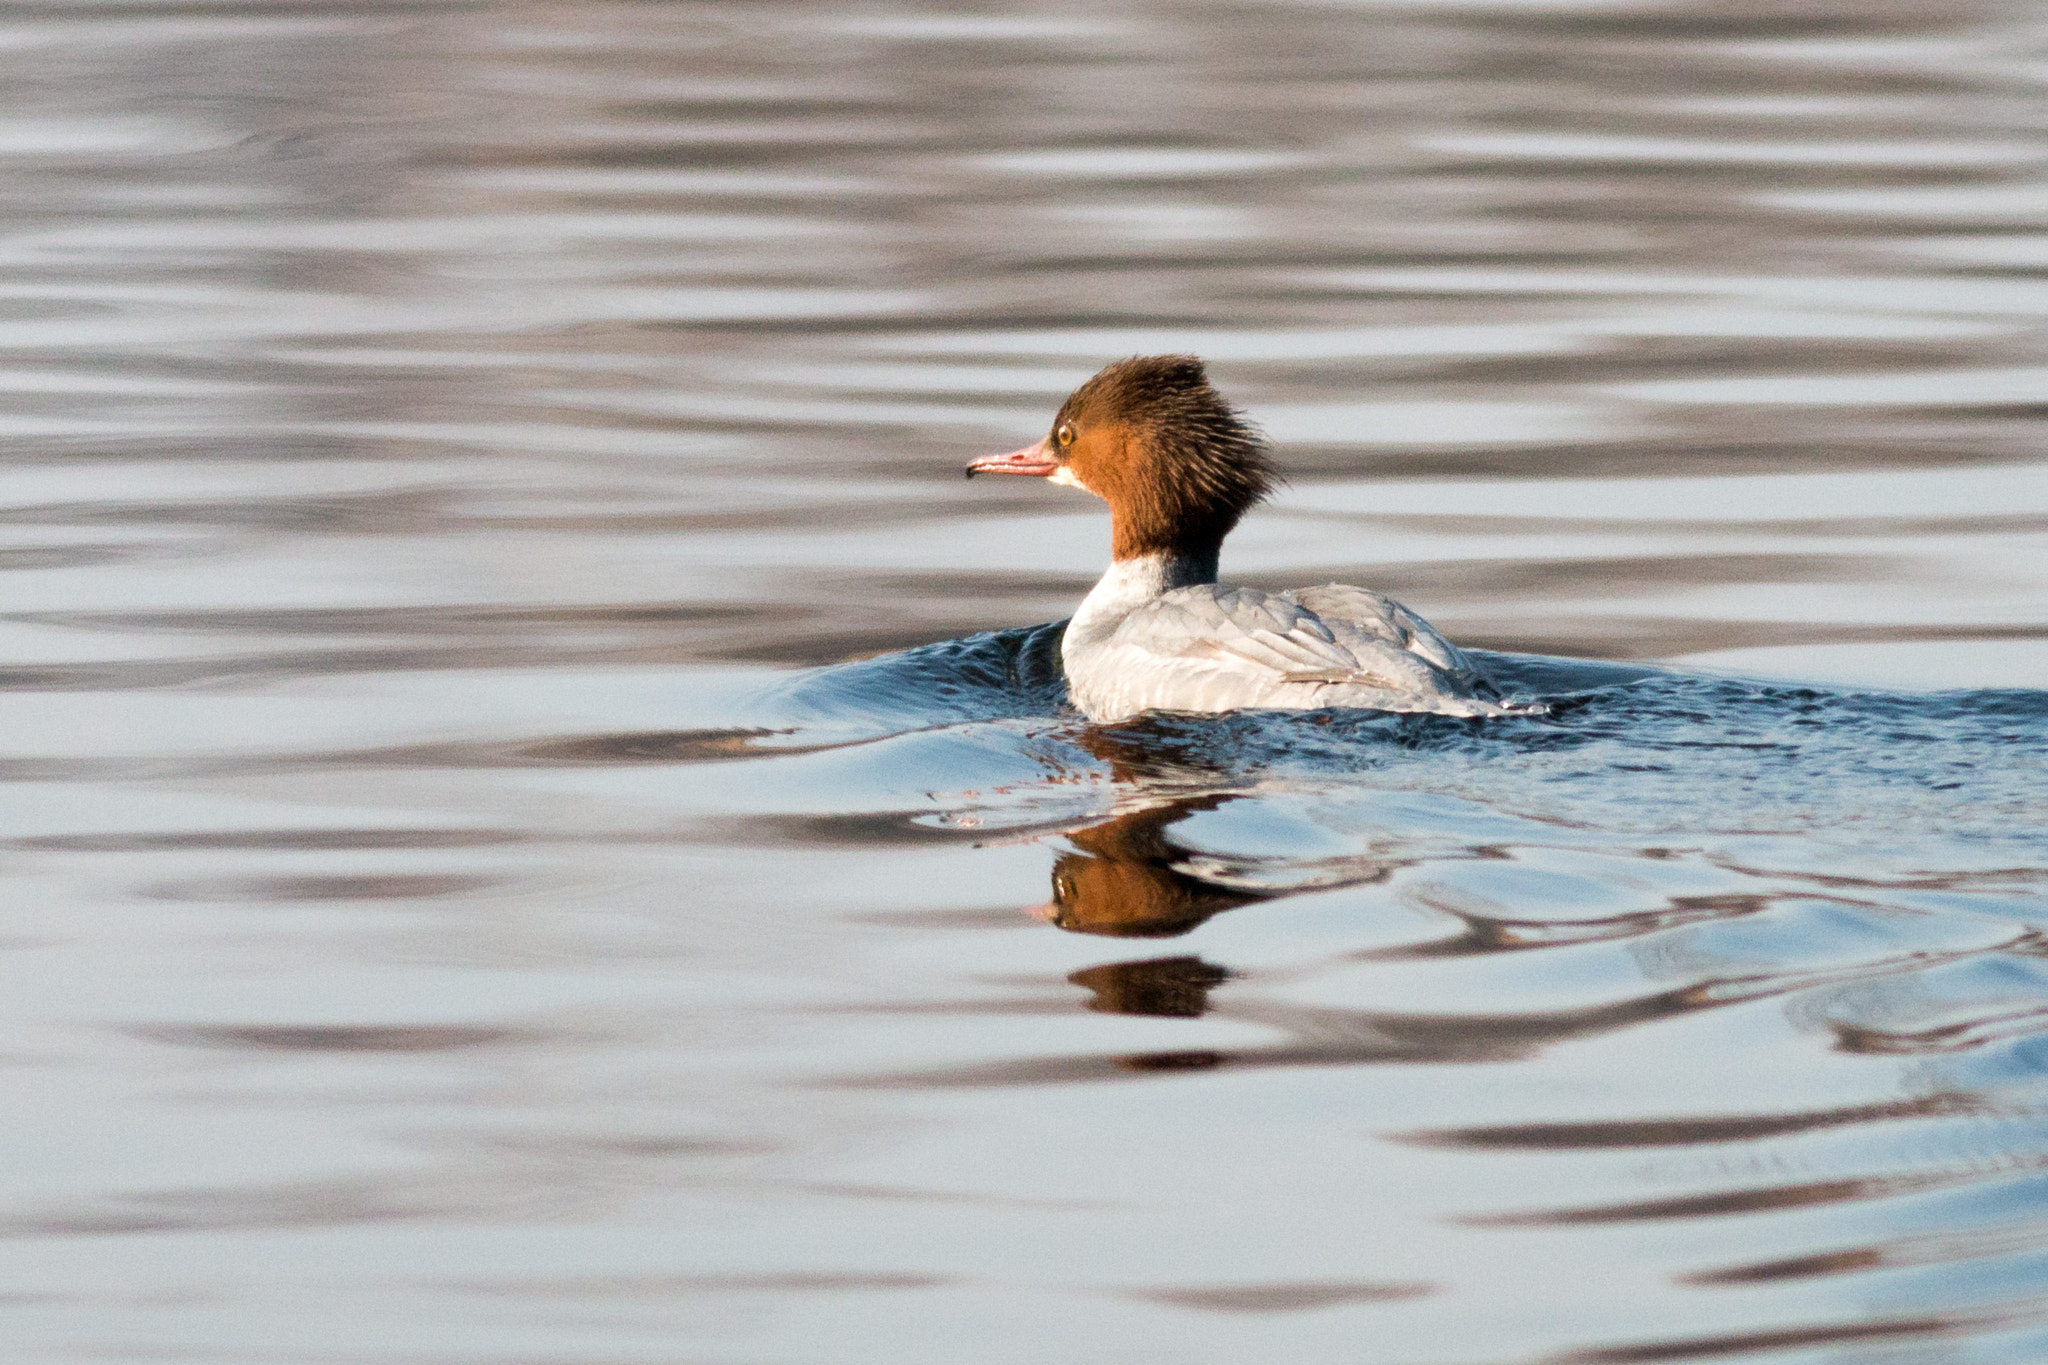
1064,477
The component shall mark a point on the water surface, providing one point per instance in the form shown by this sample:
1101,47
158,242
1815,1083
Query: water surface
540,816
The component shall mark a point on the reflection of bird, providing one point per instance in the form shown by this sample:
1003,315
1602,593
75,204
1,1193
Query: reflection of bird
1178,467
1123,878
1164,987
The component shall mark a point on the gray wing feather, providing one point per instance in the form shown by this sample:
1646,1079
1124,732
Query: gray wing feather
1380,617
1289,638
1213,648
1262,629
1329,634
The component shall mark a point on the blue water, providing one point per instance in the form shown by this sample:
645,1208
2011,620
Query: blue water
1626,752
1750,968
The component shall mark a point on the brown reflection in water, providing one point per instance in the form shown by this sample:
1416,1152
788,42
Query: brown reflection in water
1958,1036
1794,1268
1805,1337
270,840
1688,1131
834,830
383,886
322,1203
1166,987
657,1287
1927,1249
1764,1199
1283,1297
338,1037
1124,879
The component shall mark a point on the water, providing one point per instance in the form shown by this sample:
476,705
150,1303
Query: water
538,816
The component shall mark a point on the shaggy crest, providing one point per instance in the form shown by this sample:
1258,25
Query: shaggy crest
1192,464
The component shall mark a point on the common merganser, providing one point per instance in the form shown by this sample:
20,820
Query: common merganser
1178,466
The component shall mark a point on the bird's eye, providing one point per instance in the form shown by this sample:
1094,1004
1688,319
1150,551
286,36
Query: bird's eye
1065,434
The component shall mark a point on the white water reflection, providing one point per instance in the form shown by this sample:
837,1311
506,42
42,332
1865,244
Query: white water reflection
1938,388
1443,423
1566,147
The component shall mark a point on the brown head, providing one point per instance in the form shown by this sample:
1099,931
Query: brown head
1176,463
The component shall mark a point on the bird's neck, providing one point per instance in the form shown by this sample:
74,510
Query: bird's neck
1133,581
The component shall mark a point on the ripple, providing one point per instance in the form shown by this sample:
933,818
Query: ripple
1705,1128
1549,146
337,1038
1137,163
1281,1298
1907,1328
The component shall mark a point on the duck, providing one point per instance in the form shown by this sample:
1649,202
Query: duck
1179,466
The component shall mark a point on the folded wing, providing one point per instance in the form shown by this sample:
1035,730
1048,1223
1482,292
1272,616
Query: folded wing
1315,636
1379,617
